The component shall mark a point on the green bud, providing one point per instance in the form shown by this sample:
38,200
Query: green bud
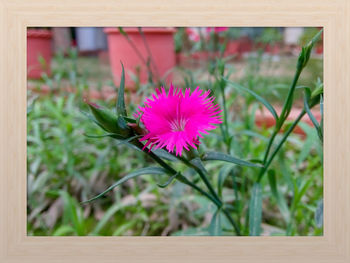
109,121
306,51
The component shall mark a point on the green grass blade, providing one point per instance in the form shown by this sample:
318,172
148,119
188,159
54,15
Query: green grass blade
256,96
104,220
319,214
216,156
169,181
63,230
307,109
143,171
223,174
121,110
73,213
255,211
215,224
281,202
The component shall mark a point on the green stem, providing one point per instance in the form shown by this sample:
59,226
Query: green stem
291,128
184,180
225,113
283,116
289,100
218,202
202,176
272,138
232,221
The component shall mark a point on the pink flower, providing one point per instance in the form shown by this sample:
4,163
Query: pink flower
177,119
217,29
193,34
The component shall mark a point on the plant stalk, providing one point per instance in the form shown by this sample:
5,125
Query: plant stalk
291,128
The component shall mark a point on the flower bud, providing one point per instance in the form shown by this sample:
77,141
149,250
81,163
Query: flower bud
109,121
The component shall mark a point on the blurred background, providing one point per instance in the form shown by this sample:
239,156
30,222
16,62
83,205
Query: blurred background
67,65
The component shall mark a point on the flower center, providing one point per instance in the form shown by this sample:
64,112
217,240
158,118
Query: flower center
178,125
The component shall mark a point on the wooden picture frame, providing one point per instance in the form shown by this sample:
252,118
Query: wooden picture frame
16,15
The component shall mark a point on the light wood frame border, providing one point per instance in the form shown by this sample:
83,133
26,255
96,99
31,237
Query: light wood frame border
16,15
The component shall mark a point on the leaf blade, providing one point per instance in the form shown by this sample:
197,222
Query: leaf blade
216,156
121,110
142,171
268,106
255,211
215,224
281,203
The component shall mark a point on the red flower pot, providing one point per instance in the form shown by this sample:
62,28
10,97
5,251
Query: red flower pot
273,49
319,49
161,45
246,45
264,118
233,48
200,55
38,45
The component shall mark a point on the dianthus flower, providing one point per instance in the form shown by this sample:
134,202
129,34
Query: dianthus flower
176,120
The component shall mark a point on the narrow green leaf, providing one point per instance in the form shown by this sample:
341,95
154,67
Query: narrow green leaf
321,110
165,155
319,214
113,135
258,97
317,91
311,116
121,30
216,156
106,217
169,181
215,224
307,108
143,171
197,163
63,231
129,139
281,203
73,213
255,211
121,110
223,174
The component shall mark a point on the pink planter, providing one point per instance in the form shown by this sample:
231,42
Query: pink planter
233,48
264,118
246,45
161,45
273,49
319,49
201,55
38,45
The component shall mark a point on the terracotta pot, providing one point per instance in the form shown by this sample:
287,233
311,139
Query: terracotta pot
233,48
273,49
39,44
246,45
319,49
200,55
264,118
161,45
